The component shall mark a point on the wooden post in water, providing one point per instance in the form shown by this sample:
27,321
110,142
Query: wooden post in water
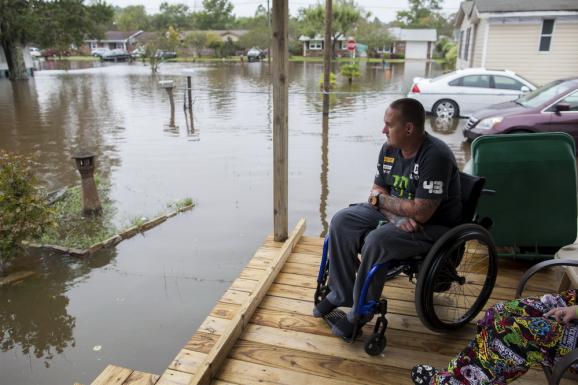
280,119
327,56
190,94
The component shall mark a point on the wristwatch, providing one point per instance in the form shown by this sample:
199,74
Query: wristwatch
375,200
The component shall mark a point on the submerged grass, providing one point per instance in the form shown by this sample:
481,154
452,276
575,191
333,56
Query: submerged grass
74,230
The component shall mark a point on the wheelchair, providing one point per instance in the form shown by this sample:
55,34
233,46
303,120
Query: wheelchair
454,279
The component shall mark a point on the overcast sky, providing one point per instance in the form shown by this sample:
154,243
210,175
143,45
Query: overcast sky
384,9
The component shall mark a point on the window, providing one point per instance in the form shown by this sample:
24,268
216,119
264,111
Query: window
506,83
545,93
571,99
467,47
479,81
461,49
315,44
546,36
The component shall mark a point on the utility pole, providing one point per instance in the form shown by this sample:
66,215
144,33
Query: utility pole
327,56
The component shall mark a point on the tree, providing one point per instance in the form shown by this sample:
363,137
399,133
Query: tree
374,34
216,14
176,15
49,23
259,36
215,42
418,10
345,17
425,14
132,18
196,40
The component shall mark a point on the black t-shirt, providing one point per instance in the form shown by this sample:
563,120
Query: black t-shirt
431,174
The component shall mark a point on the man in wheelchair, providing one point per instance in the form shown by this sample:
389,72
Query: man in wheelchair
414,200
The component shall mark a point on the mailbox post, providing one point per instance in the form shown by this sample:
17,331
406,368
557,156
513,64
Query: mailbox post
90,201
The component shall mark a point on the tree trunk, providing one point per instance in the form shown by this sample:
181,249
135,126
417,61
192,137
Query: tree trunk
15,59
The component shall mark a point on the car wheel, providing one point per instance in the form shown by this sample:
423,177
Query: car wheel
446,108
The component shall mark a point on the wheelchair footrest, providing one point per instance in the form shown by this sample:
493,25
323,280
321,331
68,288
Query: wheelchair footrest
335,319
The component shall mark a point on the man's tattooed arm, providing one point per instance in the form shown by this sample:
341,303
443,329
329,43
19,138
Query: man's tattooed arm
421,210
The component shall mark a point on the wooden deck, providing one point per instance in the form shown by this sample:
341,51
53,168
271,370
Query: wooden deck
282,343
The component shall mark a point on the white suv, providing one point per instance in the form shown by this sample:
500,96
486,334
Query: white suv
463,92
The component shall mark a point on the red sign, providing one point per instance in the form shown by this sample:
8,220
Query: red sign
351,45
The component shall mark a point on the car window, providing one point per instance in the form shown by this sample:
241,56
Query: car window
456,82
543,94
571,99
506,83
479,81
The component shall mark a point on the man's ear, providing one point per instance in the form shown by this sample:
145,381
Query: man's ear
409,128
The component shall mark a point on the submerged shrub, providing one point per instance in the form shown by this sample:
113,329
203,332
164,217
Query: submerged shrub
24,211
350,71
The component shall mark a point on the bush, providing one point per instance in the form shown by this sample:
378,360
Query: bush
24,211
332,81
350,71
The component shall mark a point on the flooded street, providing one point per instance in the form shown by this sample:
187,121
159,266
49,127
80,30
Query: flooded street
137,304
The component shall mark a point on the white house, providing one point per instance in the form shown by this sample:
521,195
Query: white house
113,40
413,43
28,62
536,38
313,46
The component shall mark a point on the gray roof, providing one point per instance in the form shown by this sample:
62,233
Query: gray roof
417,34
526,5
466,6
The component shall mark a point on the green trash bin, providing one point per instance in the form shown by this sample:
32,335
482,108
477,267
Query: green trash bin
534,176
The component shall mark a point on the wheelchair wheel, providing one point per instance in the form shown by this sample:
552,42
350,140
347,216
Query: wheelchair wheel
375,344
456,278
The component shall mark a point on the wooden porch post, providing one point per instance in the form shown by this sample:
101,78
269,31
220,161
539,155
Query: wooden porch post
327,55
280,119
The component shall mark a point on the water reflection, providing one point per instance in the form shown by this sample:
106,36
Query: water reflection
443,125
33,314
324,174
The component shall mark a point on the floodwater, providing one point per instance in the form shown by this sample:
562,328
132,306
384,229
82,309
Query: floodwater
137,304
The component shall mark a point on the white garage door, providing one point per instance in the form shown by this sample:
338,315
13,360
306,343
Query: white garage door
416,50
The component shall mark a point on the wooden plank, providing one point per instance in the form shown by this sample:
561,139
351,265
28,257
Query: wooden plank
220,350
235,296
112,375
315,363
174,377
251,274
332,346
244,285
15,277
214,325
187,361
306,276
141,378
247,373
426,342
202,342
224,310
395,321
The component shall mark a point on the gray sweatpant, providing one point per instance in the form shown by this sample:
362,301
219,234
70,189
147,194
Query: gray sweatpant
354,230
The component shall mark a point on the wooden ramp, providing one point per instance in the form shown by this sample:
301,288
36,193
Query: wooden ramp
262,332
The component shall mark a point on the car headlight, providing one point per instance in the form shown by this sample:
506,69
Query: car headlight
489,123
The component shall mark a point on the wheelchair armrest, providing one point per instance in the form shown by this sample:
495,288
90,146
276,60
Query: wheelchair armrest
539,266
561,367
